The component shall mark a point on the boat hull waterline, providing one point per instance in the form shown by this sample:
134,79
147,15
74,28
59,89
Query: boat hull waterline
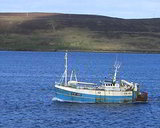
69,94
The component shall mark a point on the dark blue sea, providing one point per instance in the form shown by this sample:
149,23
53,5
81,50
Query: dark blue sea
26,90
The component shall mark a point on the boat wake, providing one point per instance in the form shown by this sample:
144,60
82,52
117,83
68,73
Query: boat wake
57,99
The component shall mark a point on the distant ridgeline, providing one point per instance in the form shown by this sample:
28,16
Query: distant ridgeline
54,31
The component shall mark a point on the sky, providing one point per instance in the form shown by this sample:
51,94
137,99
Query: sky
128,9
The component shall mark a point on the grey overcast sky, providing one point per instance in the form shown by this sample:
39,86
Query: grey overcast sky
115,8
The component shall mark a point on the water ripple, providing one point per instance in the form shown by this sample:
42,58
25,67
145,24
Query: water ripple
27,96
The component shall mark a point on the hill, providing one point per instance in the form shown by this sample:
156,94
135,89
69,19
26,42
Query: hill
54,31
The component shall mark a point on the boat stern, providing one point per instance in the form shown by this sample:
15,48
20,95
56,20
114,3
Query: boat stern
142,97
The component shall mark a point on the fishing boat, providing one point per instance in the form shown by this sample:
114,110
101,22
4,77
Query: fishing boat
108,91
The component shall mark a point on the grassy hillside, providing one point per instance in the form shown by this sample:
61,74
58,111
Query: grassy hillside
53,31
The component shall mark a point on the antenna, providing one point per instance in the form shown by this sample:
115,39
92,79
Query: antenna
73,75
117,65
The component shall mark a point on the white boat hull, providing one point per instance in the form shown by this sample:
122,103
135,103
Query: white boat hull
69,94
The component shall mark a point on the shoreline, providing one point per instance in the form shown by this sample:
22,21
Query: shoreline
93,51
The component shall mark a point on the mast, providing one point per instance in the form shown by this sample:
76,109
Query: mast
66,67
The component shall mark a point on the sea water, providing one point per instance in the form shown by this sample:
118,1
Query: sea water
27,90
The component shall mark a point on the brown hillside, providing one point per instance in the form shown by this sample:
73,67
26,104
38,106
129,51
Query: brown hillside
54,31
